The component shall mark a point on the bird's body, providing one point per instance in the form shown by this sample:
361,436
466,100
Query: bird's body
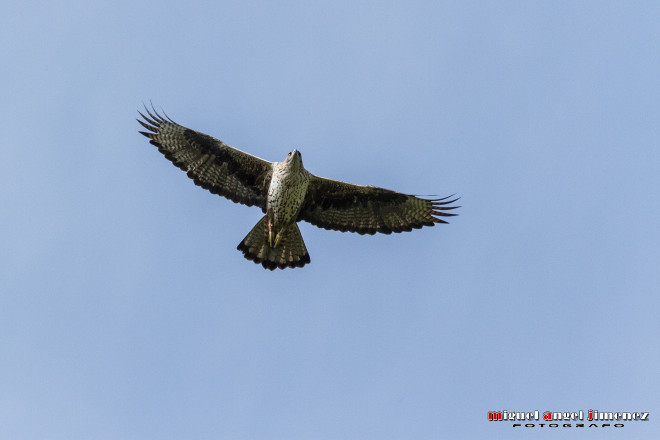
287,193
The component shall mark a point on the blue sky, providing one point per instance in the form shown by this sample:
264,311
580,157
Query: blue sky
127,313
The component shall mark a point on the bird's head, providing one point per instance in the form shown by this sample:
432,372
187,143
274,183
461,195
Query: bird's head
294,158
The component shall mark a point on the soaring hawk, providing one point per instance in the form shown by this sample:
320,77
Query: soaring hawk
287,193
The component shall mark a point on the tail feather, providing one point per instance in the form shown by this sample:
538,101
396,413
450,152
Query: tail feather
291,251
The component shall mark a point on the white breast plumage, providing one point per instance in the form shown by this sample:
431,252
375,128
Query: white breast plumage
286,193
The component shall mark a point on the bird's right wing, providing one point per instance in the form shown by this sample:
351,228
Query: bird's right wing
342,206
212,164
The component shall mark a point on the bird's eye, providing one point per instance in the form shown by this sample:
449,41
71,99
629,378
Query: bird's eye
289,154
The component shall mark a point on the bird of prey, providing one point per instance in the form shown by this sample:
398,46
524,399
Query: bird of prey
287,193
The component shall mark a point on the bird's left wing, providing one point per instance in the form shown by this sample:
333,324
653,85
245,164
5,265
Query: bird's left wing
212,164
364,209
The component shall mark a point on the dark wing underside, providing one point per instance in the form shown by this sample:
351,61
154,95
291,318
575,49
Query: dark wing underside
342,206
211,163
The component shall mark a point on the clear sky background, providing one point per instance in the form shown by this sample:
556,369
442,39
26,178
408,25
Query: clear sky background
127,313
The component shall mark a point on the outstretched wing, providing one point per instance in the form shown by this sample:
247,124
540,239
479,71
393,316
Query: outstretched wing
211,163
342,206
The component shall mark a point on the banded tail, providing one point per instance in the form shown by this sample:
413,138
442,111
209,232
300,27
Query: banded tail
290,252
